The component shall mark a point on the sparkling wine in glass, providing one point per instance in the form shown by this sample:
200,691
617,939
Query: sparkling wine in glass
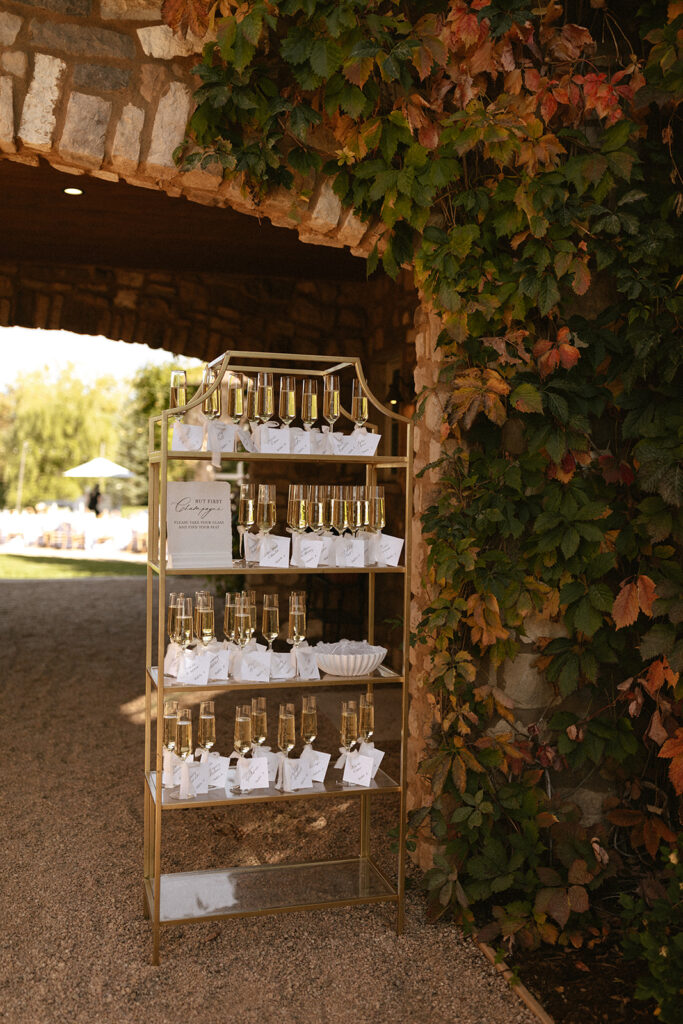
265,397
171,619
246,513
287,407
184,628
249,398
243,729
229,617
376,517
366,717
170,724
297,619
315,508
339,519
265,508
204,617
309,403
184,743
207,725
355,508
286,728
309,720
359,404
270,622
234,399
331,407
259,720
178,391
242,620
211,405
251,600
297,509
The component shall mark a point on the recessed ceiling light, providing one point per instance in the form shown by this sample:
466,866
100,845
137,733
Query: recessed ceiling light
73,191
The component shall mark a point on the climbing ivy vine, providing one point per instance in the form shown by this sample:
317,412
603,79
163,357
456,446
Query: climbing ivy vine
522,160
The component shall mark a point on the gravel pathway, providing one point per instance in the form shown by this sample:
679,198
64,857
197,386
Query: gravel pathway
74,948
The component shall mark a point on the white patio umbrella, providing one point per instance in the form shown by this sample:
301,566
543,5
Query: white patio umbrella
100,468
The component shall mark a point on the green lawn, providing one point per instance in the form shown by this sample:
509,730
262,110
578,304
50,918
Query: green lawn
35,567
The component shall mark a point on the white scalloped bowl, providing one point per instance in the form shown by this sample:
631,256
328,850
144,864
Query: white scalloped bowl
350,664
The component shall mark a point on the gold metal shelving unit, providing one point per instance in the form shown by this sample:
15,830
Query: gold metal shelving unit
181,897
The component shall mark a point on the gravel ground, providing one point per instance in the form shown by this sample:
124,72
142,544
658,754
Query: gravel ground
74,945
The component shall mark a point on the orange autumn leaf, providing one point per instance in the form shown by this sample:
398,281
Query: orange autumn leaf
484,620
673,748
185,16
646,594
625,608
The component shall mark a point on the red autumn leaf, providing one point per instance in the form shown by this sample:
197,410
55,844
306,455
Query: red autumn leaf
358,71
673,748
646,594
625,607
569,356
581,277
186,15
654,678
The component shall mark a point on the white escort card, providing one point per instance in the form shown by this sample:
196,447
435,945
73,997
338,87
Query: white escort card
218,771
318,441
193,668
171,660
282,666
252,773
299,441
327,556
199,525
187,437
198,777
296,775
273,440
274,552
317,761
358,769
255,664
306,663
219,666
370,750
271,757
349,552
220,438
388,549
252,547
365,443
306,551
170,762
247,440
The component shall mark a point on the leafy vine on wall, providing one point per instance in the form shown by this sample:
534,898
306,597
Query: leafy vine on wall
522,160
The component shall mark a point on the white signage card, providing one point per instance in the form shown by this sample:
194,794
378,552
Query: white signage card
274,552
364,443
389,549
297,775
199,525
350,552
370,750
199,775
220,663
358,770
252,773
272,759
193,668
187,437
173,655
274,440
218,772
327,555
317,761
306,551
221,436
282,666
307,664
252,546
255,665
247,439
299,441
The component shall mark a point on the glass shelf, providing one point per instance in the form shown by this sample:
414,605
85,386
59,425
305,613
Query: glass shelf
267,888
385,461
172,686
291,570
170,800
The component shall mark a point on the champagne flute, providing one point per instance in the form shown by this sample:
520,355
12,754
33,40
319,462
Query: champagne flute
265,397
286,728
297,619
348,728
354,508
171,724
338,509
366,718
229,617
235,399
212,405
265,508
249,398
242,734
171,620
178,392
204,618
184,622
309,403
251,600
259,721
207,725
184,741
309,720
270,622
331,399
287,408
297,516
327,507
246,515
376,518
242,620
315,508
359,404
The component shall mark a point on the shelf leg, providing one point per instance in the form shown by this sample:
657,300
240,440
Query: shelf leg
365,826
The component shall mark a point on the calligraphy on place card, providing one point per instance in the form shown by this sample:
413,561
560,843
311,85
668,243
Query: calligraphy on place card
350,552
358,770
255,666
364,443
317,761
274,553
272,759
187,437
252,547
274,440
389,549
252,773
307,664
299,441
221,437
306,551
282,666
218,772
370,750
193,669
220,663
297,775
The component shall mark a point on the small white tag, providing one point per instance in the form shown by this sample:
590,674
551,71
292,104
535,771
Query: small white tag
274,440
220,663
281,666
297,775
274,552
252,546
221,436
187,437
370,750
193,668
218,771
306,551
173,655
299,441
255,666
350,552
271,758
317,761
340,444
171,773
318,442
246,439
252,774
327,555
390,549
199,775
358,770
306,663
364,443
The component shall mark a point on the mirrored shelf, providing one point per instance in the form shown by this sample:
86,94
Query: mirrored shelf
384,461
173,687
170,800
291,570
267,889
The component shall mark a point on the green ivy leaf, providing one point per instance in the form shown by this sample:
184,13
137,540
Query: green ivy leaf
526,398
586,618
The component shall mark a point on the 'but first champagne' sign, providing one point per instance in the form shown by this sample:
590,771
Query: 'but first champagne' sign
199,526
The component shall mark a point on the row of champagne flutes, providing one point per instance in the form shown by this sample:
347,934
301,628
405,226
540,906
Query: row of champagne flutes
187,623
255,399
357,725
315,507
